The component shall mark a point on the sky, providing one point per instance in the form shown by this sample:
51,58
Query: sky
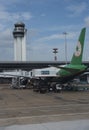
45,21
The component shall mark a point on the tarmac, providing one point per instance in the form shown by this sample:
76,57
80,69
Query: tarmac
62,125
23,106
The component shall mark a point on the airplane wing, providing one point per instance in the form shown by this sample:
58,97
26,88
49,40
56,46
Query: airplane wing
13,75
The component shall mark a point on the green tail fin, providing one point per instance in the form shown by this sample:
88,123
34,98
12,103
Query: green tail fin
77,56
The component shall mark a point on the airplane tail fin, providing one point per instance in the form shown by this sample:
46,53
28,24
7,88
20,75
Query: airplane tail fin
77,56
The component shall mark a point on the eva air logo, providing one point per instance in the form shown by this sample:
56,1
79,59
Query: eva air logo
78,49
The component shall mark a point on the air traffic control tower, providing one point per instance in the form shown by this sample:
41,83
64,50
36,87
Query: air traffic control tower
19,35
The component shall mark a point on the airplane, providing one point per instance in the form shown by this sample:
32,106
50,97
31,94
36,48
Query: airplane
68,72
75,68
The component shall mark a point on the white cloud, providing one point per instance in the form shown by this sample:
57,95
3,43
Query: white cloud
43,15
6,37
51,37
9,2
71,35
8,16
87,21
26,15
78,9
2,7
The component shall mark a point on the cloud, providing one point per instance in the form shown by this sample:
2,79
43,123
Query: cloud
10,2
51,37
43,15
8,16
71,35
26,15
78,9
87,21
6,38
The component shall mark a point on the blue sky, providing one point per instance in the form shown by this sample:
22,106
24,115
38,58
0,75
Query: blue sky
45,20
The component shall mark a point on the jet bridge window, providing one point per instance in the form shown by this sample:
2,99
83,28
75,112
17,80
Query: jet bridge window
45,72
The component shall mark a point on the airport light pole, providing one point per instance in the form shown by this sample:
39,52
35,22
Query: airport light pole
65,33
55,51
